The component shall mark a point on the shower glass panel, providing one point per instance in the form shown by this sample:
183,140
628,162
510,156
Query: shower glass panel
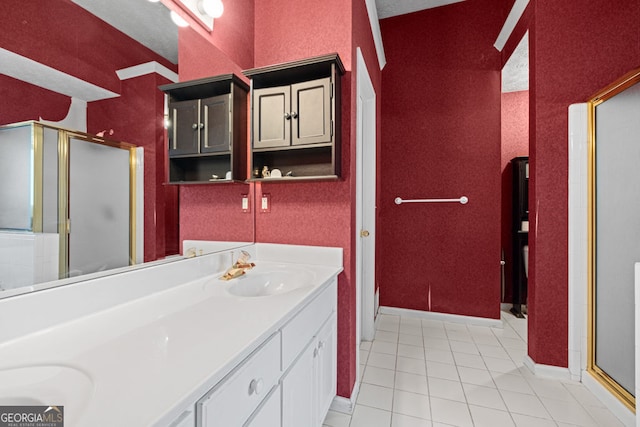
16,176
99,207
615,235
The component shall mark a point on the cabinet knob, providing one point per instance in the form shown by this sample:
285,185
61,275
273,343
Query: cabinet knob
194,126
201,125
287,116
256,386
294,115
364,233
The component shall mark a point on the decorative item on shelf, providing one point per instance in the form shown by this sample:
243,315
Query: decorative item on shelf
276,173
227,175
290,173
265,172
256,173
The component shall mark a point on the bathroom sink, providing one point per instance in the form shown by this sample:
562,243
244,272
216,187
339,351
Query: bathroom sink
271,282
46,385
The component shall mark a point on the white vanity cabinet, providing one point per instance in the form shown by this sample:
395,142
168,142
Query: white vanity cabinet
309,383
289,381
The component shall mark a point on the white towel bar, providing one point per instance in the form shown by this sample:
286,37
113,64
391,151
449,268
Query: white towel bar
462,200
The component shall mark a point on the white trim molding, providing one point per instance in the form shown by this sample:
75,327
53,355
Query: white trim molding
454,318
548,371
147,68
578,238
372,11
510,24
346,405
612,403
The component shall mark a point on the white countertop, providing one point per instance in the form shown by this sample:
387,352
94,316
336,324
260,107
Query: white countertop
149,358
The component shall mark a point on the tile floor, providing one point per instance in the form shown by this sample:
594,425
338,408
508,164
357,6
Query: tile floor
428,373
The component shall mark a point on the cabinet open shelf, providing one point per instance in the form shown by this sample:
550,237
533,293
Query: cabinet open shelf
199,168
303,163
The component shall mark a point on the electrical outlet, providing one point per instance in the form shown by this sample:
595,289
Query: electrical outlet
245,203
265,203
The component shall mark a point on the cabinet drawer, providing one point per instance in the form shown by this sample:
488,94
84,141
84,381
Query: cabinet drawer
299,331
232,401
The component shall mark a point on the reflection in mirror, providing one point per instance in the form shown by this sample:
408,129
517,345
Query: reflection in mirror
75,81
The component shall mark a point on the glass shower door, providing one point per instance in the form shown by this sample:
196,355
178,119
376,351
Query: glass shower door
99,207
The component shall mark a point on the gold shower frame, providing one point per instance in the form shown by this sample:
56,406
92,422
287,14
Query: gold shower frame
64,138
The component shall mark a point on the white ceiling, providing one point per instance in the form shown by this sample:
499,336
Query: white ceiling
388,8
150,24
515,74
147,22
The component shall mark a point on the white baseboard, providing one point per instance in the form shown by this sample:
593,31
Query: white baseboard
548,371
445,317
346,405
616,407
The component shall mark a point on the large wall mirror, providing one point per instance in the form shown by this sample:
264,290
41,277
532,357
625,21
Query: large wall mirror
614,238
213,211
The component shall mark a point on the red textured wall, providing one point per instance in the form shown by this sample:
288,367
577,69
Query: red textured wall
515,143
575,51
289,30
23,101
60,34
215,213
93,51
441,139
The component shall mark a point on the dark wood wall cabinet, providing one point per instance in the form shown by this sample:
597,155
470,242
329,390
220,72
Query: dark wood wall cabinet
520,231
207,130
295,119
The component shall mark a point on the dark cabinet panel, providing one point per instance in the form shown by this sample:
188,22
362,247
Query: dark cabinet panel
207,130
311,112
184,127
295,115
272,121
215,136
520,233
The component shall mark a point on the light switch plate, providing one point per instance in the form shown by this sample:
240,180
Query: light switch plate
265,202
245,203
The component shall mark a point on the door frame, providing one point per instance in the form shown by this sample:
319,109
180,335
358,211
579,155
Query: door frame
365,188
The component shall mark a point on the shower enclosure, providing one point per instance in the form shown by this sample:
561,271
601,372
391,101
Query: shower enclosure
79,187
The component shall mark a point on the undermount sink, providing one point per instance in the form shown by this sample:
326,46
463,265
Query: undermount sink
271,282
46,385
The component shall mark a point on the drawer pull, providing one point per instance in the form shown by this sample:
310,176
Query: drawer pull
256,386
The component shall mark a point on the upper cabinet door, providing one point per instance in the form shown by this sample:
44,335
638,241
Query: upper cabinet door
311,112
216,115
184,130
272,117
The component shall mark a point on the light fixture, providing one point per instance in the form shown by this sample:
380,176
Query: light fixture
212,8
178,20
154,1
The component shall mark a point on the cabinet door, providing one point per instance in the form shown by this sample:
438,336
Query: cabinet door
184,128
215,116
325,369
297,391
272,117
268,414
311,112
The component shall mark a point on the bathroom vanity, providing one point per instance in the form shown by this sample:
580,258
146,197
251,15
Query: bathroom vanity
174,345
